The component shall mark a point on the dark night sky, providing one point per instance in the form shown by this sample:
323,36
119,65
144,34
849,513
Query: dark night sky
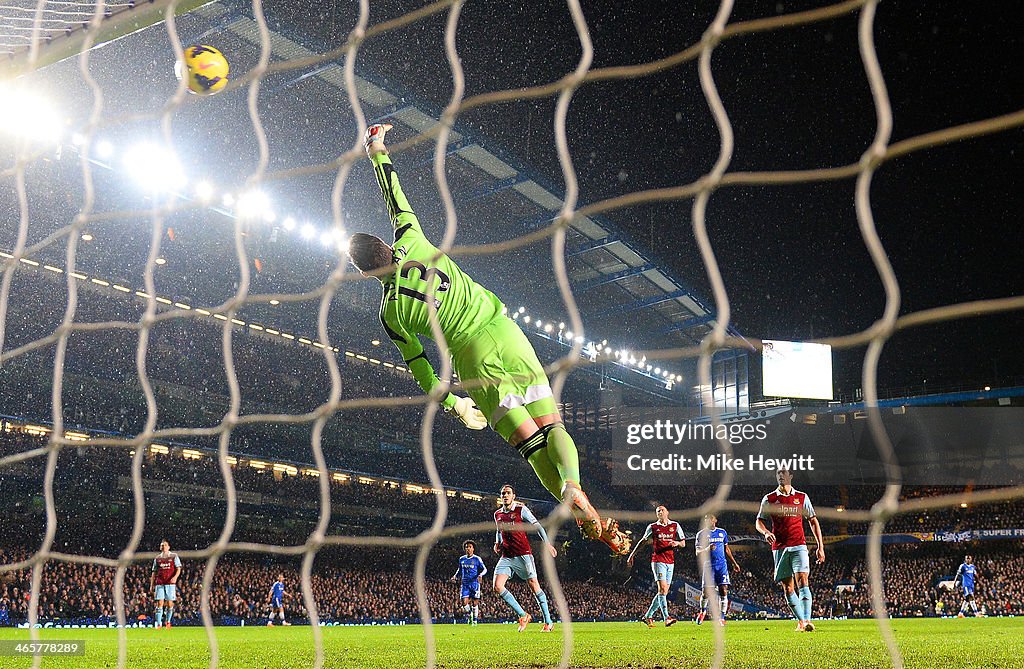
792,257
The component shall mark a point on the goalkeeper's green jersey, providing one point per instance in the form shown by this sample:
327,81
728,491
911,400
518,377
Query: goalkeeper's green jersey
463,306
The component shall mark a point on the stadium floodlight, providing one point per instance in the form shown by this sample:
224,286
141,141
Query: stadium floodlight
204,191
522,309
307,231
288,223
28,116
104,149
252,204
154,167
526,319
548,328
568,335
561,326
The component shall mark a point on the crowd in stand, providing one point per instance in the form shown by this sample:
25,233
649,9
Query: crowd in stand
376,585
371,589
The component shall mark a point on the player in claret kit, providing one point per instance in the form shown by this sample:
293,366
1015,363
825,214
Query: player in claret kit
517,556
491,355
472,571
163,581
666,536
787,507
713,542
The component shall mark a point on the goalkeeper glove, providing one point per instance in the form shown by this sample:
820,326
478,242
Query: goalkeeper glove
375,133
465,410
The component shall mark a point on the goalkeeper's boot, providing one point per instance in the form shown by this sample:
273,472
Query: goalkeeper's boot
524,621
617,541
375,133
586,515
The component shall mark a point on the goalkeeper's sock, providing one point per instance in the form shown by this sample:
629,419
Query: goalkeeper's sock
805,601
510,599
159,616
561,450
653,608
794,605
542,600
533,450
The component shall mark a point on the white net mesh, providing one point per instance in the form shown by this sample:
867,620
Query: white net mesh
36,244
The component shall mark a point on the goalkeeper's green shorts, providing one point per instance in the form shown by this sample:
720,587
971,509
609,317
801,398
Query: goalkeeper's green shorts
504,377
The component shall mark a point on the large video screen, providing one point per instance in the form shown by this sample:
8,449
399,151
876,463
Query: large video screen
796,369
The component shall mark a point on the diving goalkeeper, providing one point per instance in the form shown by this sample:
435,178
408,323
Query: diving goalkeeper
489,352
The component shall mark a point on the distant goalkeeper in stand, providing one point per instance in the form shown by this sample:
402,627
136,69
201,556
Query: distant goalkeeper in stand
489,352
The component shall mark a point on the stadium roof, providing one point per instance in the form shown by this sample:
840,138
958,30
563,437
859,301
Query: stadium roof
625,294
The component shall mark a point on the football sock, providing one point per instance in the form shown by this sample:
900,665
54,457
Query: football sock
805,601
664,606
655,605
724,601
170,612
794,605
561,450
703,603
159,616
535,453
510,599
476,613
974,607
542,600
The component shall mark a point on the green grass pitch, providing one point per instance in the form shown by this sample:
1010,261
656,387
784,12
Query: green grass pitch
949,644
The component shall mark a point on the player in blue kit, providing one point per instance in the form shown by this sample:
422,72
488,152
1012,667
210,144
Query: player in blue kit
714,543
472,571
276,598
965,578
